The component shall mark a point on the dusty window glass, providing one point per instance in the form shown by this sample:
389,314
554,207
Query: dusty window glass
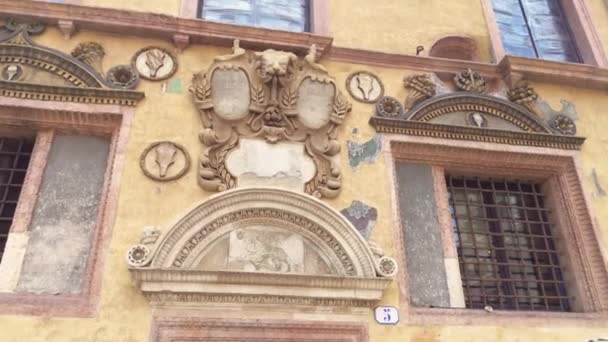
291,15
535,28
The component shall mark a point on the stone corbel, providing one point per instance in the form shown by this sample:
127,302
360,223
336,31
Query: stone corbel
181,41
67,28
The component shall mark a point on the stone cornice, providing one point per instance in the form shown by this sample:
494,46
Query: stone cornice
70,94
162,26
396,126
184,31
189,286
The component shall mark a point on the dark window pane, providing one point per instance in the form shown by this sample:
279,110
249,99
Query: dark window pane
14,160
506,254
289,15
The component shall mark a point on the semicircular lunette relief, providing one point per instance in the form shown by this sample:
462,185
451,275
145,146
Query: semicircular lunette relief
284,245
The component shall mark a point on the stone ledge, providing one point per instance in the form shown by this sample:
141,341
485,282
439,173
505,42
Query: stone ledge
191,286
150,25
396,126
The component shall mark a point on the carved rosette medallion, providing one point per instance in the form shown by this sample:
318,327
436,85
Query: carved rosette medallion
563,125
389,107
364,86
164,161
122,76
154,63
271,95
137,255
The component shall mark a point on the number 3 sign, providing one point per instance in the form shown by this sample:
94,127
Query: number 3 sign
386,315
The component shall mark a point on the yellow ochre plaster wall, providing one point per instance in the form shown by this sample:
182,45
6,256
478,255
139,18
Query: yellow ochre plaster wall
124,315
394,26
386,25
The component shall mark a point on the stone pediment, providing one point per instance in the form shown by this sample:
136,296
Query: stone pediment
30,70
469,114
266,246
276,97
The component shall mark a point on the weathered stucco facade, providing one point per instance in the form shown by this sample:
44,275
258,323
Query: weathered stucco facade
379,37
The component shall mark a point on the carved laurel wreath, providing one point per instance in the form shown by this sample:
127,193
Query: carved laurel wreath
271,95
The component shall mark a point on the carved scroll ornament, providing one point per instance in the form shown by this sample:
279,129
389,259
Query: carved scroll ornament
272,95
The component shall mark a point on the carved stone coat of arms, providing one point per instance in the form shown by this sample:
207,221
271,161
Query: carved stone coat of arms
275,96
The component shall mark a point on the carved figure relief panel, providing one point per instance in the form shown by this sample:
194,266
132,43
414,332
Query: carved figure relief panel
273,96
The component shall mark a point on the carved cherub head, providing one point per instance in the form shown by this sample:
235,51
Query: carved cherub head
275,63
155,59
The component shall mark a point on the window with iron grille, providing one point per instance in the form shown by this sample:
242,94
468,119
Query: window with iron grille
507,253
535,28
290,15
14,159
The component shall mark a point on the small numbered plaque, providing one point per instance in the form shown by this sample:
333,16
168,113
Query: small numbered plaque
386,315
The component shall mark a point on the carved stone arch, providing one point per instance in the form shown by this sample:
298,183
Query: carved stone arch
519,116
278,241
19,48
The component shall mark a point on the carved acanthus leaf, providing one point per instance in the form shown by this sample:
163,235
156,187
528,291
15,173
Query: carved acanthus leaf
420,87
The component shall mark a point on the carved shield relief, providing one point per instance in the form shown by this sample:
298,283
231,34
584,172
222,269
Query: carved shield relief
230,93
274,96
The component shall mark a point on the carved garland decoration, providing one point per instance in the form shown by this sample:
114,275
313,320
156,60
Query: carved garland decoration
271,95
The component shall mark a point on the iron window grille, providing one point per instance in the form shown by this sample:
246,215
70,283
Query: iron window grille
290,15
15,156
507,254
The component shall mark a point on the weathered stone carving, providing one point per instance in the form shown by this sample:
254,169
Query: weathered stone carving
90,53
563,125
12,72
137,255
364,86
123,76
477,120
164,161
32,28
274,96
37,72
471,81
524,95
451,116
287,247
385,266
420,87
389,107
154,63
150,235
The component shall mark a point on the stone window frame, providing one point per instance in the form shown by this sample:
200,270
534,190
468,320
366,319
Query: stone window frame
583,31
45,119
560,171
319,23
